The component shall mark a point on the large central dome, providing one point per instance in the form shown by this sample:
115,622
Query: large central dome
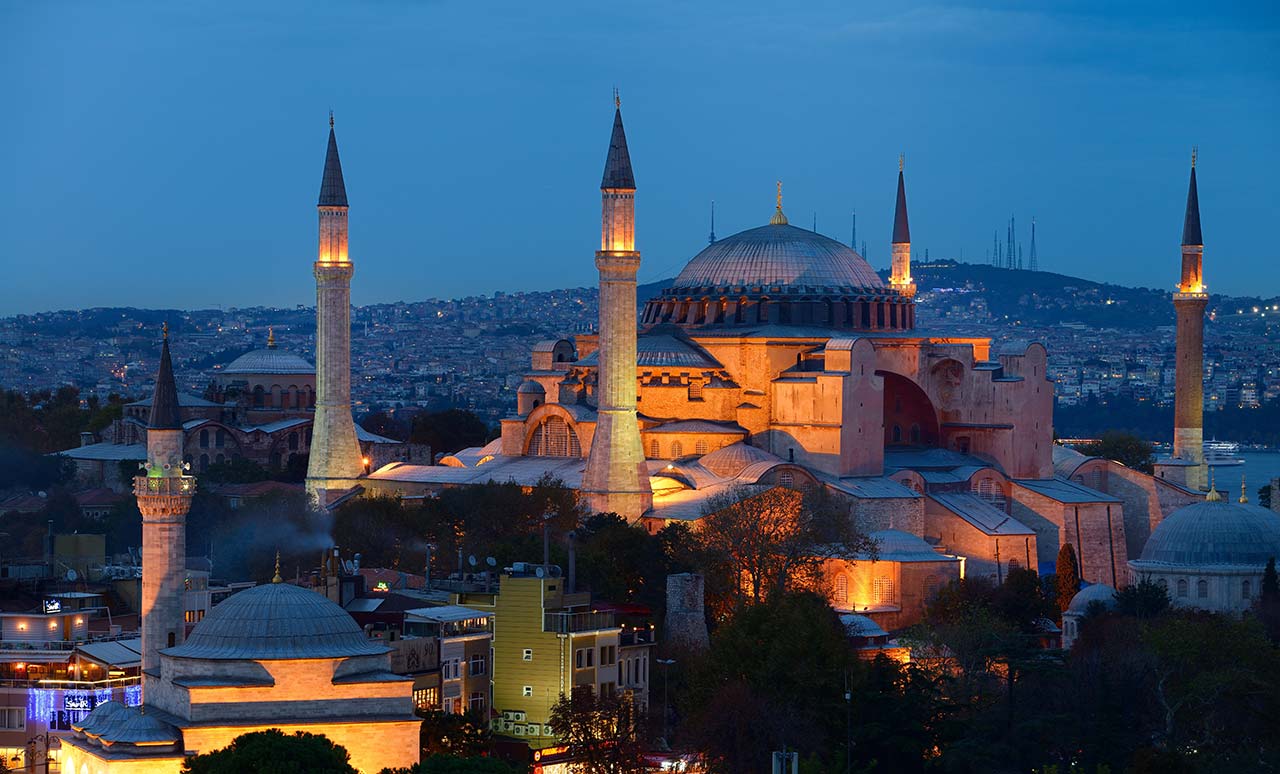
778,255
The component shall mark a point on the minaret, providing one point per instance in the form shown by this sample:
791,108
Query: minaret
335,453
1190,301
616,479
164,495
900,279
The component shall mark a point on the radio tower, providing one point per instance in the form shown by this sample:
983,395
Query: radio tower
1033,264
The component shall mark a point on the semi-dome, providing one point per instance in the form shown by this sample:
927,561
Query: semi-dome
269,361
1098,592
276,621
1214,533
530,387
778,255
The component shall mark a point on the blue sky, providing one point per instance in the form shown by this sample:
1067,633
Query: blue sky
169,154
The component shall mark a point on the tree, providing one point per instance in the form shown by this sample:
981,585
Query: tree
752,545
1068,576
1142,600
451,734
774,675
602,731
1127,449
1267,606
237,470
272,752
447,432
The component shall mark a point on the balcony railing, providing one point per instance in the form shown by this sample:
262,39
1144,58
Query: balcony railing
570,623
164,485
29,646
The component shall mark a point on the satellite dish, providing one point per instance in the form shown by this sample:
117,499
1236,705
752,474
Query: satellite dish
471,560
71,576
540,572
491,561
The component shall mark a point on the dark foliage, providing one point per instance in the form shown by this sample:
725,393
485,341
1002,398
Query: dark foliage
448,432
1127,449
272,752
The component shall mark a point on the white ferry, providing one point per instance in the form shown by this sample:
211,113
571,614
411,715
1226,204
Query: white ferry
1222,454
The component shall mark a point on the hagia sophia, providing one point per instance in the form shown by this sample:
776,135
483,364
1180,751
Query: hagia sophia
776,358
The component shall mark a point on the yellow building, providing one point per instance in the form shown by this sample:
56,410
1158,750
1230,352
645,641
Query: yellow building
546,642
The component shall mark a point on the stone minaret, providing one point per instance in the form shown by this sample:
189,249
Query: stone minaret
164,496
335,453
616,479
1190,301
900,279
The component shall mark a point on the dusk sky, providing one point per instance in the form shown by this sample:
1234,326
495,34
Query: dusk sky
169,154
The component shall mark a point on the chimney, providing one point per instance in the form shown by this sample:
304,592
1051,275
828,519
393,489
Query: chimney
86,438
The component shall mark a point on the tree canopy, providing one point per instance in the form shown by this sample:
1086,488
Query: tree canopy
1126,448
273,752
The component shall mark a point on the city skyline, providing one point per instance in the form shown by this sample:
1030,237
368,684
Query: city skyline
465,156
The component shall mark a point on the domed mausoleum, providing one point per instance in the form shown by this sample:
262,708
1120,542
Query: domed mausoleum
1099,593
273,656
1211,555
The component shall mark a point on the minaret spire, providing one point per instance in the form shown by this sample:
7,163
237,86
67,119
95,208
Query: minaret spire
616,478
335,460
900,276
164,494
1189,303
711,239
778,219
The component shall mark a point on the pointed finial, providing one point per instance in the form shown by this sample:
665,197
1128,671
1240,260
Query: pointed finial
778,218
1213,495
164,327
617,99
1244,491
902,161
712,238
330,119
271,337
276,578
1194,151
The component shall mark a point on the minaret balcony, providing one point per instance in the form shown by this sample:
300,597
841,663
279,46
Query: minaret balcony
159,486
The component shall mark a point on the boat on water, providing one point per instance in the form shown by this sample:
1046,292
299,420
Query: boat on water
1222,454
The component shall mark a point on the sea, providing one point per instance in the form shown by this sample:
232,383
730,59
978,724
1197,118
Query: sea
1259,468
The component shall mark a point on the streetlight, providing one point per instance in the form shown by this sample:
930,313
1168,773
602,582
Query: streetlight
666,682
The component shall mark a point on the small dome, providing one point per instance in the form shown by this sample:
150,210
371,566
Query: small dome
276,621
1098,592
530,387
99,718
731,460
269,361
1214,533
778,255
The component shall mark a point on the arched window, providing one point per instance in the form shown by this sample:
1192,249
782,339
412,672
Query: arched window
787,479
293,441
655,451
897,434
677,450
221,458
220,439
842,588
1245,591
700,448
204,438
883,591
915,433
1163,584
1202,589
1014,564
695,390
204,462
554,438
1095,478
258,396
1182,587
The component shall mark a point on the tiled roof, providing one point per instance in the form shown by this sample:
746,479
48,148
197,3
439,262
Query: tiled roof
1065,491
981,514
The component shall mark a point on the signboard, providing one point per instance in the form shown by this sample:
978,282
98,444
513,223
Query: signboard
52,606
